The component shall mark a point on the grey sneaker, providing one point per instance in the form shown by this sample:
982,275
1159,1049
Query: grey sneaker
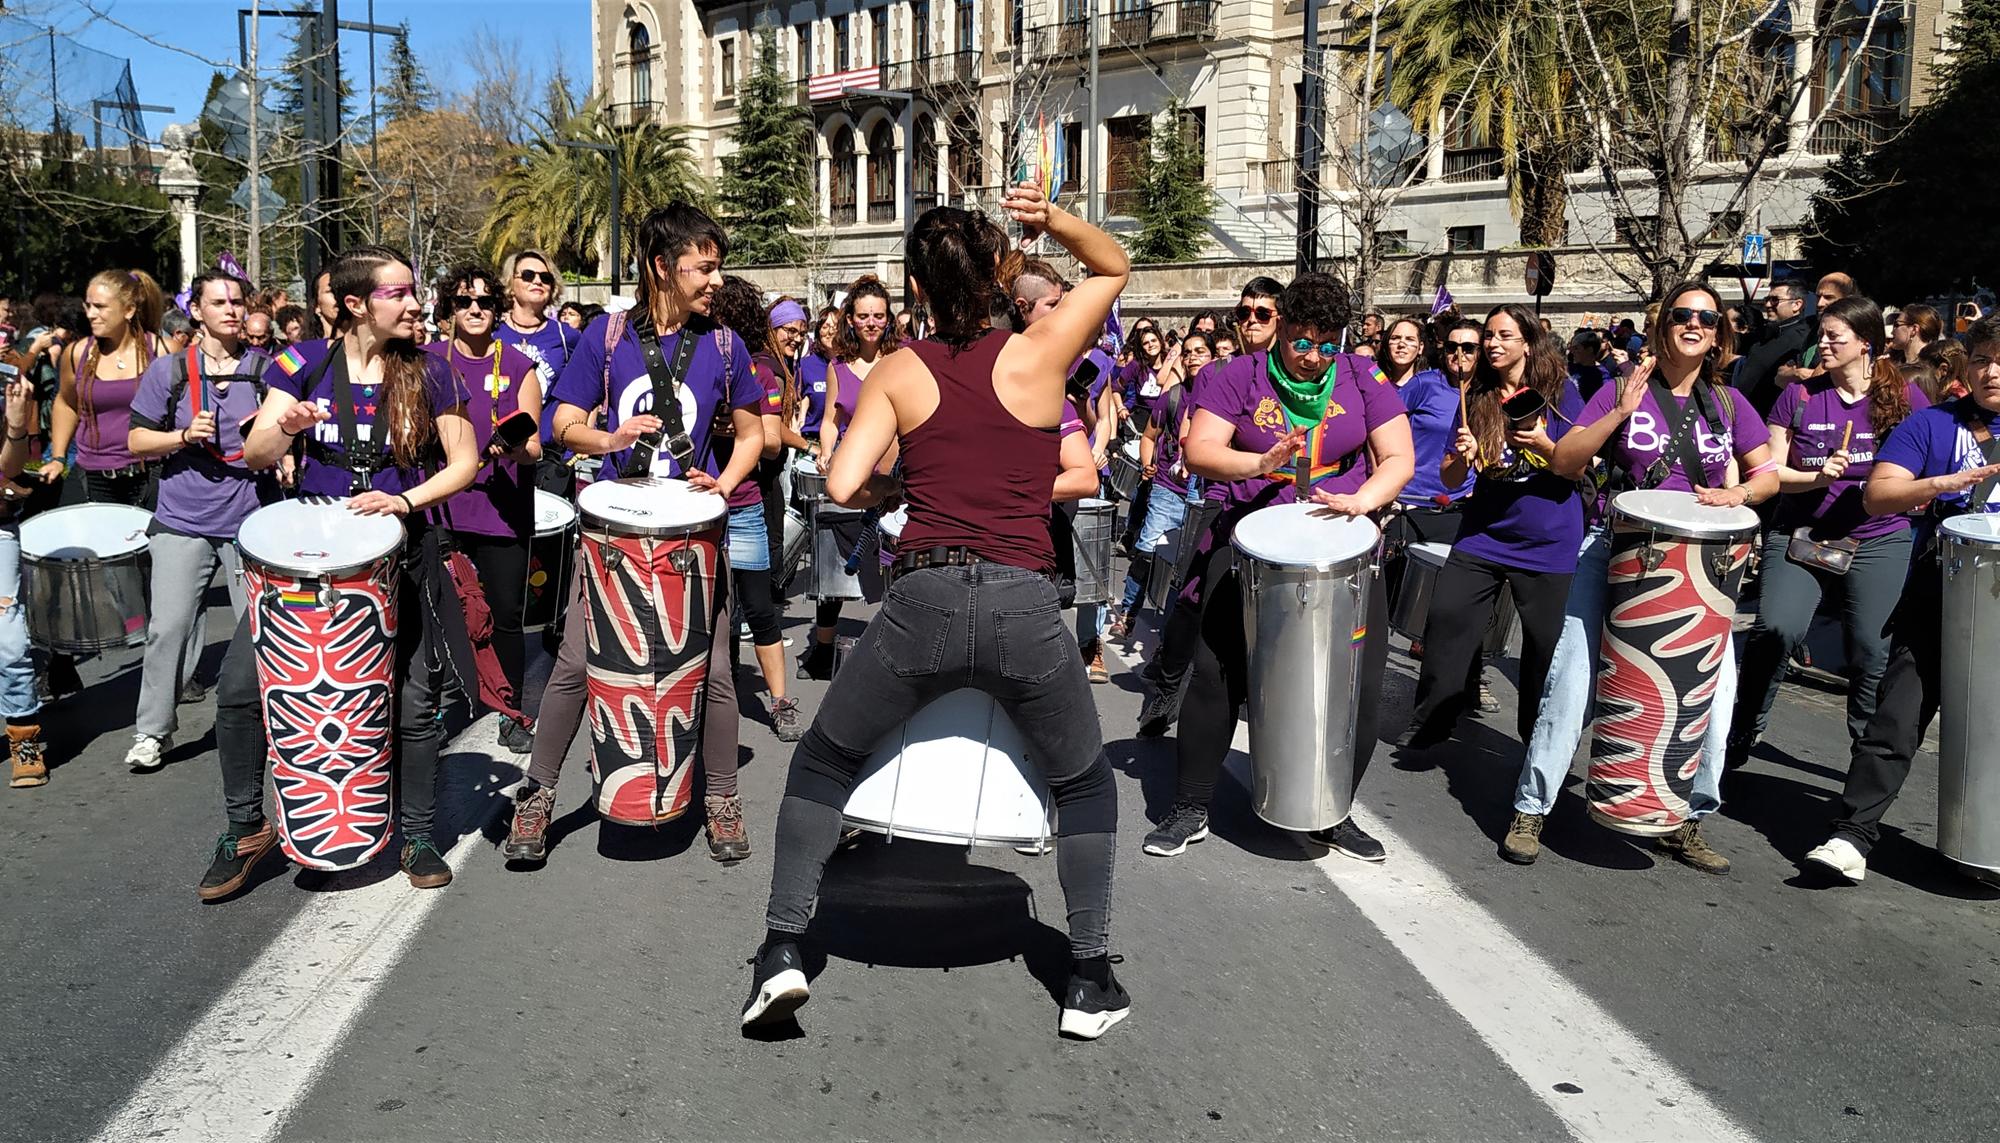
1523,843
786,720
148,753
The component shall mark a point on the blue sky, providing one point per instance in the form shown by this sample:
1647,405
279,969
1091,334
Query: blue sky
439,30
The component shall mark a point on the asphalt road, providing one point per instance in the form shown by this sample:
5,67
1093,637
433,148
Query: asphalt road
1604,993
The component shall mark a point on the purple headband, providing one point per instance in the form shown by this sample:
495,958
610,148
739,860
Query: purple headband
786,312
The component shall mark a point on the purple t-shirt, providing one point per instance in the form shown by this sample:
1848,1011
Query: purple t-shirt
1139,386
300,361
1520,514
1936,442
548,347
501,501
711,384
1643,438
812,387
849,386
1169,413
1432,401
1819,419
201,494
104,412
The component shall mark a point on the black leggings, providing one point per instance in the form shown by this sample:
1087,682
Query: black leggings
1220,682
760,610
1461,612
502,563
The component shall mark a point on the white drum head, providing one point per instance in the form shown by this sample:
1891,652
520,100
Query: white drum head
86,531
653,505
1681,514
1972,528
552,513
1132,449
892,523
958,771
1432,553
315,537
1304,536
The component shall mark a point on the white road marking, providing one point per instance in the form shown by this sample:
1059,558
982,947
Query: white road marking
239,1071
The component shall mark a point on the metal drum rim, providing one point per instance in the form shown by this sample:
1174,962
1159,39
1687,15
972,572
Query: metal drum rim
1953,535
1324,567
267,567
23,527
402,542
1627,520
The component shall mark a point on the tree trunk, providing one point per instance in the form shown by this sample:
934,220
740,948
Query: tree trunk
1544,200
1673,162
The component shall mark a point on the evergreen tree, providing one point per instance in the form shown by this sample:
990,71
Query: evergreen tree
766,191
1174,200
410,91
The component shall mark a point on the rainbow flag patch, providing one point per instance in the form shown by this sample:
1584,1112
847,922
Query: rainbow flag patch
291,360
298,600
1360,634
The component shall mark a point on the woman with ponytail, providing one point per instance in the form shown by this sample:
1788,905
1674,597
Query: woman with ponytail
1827,430
100,376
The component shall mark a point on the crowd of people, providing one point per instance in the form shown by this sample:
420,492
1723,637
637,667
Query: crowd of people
1000,398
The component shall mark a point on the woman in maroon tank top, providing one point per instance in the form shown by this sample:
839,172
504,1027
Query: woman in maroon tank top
977,415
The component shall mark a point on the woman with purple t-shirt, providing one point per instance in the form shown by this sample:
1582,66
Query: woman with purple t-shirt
1673,405
100,376
1252,417
1828,430
493,522
1165,468
190,414
1520,527
416,449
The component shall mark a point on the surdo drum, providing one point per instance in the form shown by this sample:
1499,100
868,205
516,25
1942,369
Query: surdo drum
1421,566
1670,604
321,582
1968,701
551,560
651,552
83,573
1305,573
958,771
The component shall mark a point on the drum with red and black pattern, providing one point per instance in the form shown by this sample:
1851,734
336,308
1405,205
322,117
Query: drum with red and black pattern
1670,603
651,551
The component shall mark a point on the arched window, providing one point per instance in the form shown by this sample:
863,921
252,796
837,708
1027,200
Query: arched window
882,173
640,41
843,193
923,165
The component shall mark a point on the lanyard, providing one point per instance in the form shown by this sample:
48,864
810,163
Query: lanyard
494,384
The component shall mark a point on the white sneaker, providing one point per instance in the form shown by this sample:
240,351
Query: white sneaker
1839,855
148,753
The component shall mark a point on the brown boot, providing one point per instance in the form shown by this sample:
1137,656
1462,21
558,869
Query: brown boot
1093,658
528,839
1688,848
29,768
727,840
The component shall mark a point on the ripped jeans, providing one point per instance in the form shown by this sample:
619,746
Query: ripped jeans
17,661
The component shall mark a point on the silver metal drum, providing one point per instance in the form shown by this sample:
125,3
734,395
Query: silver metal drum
1413,603
1126,471
835,532
808,482
1305,576
84,577
796,538
1968,767
1094,527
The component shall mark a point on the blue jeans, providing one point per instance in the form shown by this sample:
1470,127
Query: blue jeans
1164,512
749,539
1568,695
17,661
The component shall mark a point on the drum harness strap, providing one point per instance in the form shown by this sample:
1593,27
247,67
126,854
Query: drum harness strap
360,462
187,378
666,399
1680,444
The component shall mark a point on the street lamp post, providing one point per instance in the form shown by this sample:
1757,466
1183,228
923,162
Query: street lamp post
617,204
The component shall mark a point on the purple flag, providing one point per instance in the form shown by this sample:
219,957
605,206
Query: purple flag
182,300
1442,302
1114,331
229,265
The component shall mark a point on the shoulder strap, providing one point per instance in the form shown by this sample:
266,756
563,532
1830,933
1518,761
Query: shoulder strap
1680,442
1989,451
666,377
1799,414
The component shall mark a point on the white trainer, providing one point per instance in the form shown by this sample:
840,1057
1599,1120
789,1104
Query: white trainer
1839,855
148,753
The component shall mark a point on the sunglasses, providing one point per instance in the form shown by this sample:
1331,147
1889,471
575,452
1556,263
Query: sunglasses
1255,313
1463,347
1307,345
1681,315
486,302
537,277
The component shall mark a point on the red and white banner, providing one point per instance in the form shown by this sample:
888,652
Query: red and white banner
836,84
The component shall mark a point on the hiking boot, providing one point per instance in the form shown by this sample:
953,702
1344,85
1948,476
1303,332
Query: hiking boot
778,985
1688,848
236,854
1523,843
1185,824
1094,662
192,693
727,840
786,720
148,753
1094,1002
424,865
516,736
1158,715
1352,840
816,662
30,768
528,837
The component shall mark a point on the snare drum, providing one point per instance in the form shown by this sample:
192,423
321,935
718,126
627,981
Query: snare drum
1305,575
1126,471
808,482
1670,604
1094,527
321,582
651,551
551,560
797,536
837,532
84,577
958,771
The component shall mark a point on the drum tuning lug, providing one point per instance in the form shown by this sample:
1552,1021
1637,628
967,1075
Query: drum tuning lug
613,558
328,596
1951,567
1719,562
1652,557
681,559
1305,596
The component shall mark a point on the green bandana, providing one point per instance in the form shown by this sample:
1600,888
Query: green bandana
1304,401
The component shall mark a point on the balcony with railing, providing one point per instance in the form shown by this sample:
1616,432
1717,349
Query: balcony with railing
1138,25
1068,38
1836,133
949,69
841,213
1471,164
879,211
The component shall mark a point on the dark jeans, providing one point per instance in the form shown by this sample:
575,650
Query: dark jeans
1904,706
1790,597
240,741
139,490
1462,604
1221,681
502,563
561,714
987,626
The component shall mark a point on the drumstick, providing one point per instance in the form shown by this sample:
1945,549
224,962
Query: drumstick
1465,418
1847,436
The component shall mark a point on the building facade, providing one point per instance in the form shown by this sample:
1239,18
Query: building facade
917,102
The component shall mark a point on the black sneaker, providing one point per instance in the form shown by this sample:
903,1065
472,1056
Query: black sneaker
816,661
192,693
424,865
236,854
1158,715
1094,1002
1186,824
516,737
1351,840
1418,736
778,985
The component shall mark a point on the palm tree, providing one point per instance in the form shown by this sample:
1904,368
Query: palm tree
559,197
1494,70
